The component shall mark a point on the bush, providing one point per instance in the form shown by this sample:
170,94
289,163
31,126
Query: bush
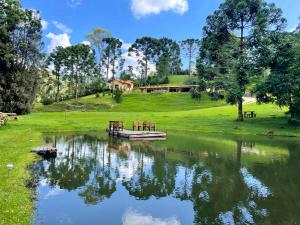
165,80
215,96
47,101
195,93
97,95
202,85
294,121
118,95
191,81
152,80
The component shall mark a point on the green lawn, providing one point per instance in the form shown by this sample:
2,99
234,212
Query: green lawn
178,79
172,112
135,102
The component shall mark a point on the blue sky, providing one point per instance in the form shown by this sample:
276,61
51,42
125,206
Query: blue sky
129,19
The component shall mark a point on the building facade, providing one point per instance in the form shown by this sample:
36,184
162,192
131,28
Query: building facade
124,85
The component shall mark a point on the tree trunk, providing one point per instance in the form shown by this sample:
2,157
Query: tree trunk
146,68
57,88
240,109
107,69
240,74
190,60
76,89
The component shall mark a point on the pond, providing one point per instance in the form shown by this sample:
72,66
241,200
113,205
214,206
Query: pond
188,179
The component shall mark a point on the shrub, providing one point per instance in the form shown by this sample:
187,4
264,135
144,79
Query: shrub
294,121
191,81
215,96
165,80
118,95
202,85
195,93
47,101
97,95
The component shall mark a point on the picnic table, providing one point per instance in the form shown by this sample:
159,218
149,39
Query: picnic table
249,114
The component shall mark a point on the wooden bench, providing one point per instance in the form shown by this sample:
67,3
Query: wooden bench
250,114
137,125
148,126
116,125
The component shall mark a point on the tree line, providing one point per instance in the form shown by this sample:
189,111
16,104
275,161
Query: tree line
244,44
85,69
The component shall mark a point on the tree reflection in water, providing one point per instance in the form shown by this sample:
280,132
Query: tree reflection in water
220,189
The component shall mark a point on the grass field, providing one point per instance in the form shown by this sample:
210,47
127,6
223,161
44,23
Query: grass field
135,102
172,113
178,79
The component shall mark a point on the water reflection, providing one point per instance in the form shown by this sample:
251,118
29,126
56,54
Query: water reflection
134,218
143,183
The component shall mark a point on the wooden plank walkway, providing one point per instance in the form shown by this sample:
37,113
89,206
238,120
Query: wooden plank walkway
139,135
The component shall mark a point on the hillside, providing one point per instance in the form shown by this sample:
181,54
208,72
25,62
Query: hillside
134,102
178,79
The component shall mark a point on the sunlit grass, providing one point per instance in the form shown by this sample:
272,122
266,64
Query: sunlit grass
181,115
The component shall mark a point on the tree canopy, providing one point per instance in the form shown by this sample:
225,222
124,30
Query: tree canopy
190,48
20,56
282,86
251,23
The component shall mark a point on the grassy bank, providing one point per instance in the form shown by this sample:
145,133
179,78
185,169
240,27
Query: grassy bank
17,138
134,102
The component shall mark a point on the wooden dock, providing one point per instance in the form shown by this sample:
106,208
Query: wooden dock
46,151
138,135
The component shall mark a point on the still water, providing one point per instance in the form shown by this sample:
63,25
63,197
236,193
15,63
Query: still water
185,180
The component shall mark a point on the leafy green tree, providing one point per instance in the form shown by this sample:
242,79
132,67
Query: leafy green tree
20,56
112,56
254,21
79,67
169,61
282,86
118,95
127,74
56,59
146,50
217,58
189,48
96,37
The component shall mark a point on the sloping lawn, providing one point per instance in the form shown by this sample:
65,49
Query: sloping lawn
134,102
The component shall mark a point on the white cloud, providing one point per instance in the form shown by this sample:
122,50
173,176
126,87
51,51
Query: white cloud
74,3
125,45
53,192
37,15
58,40
86,43
142,8
132,60
44,24
134,218
63,28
